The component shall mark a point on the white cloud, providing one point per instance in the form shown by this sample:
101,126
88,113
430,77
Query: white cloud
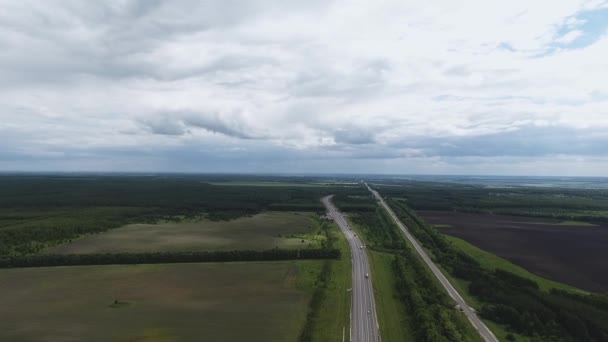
569,37
311,77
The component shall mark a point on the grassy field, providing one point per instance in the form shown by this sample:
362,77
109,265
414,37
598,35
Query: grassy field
262,231
392,317
186,302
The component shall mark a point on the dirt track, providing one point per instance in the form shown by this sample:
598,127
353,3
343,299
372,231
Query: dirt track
575,255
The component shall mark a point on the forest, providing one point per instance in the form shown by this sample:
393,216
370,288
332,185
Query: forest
37,211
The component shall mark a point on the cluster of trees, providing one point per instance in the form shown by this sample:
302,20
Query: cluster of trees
166,257
434,318
356,200
514,301
378,230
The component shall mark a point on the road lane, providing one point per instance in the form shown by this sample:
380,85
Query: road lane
364,322
478,324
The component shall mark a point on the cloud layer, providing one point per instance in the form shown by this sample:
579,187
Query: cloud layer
516,87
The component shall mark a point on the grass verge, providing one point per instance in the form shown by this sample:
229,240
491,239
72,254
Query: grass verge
392,316
333,317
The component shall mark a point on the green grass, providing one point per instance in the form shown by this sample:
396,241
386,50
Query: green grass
392,316
334,317
186,302
491,261
263,231
577,224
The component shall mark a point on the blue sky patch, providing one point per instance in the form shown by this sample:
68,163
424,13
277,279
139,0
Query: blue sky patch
592,25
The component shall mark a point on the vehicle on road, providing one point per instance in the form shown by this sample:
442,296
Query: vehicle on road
366,275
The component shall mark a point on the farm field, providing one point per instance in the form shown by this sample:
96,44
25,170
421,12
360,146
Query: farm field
568,252
266,230
185,302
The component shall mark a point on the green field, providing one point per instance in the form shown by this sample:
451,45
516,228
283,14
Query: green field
262,231
185,302
392,317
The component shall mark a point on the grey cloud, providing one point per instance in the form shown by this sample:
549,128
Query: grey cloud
164,125
183,122
528,141
115,39
354,136
216,124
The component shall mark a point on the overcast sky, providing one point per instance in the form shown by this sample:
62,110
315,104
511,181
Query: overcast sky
400,87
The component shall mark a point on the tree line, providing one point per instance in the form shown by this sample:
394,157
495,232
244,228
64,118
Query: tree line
557,203
166,257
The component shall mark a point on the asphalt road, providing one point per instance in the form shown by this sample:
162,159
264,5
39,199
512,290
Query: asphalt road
363,319
478,324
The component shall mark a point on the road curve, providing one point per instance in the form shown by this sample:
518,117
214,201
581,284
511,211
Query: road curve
478,324
363,319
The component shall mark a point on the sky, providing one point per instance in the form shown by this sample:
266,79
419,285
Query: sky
318,86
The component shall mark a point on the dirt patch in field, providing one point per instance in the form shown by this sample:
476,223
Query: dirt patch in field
571,254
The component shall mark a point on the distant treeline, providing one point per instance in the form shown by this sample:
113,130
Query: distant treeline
558,203
166,257
172,195
512,300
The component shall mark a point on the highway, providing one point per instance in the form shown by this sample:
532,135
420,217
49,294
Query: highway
478,324
363,319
